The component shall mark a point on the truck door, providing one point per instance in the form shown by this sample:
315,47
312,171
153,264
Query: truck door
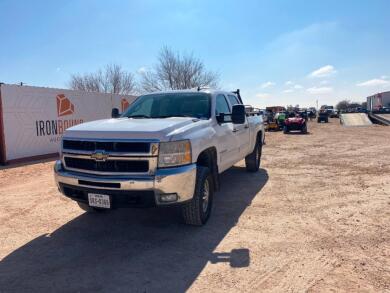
228,152
241,131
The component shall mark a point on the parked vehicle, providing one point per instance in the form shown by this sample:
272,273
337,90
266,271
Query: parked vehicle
280,117
303,114
323,116
167,148
295,122
311,114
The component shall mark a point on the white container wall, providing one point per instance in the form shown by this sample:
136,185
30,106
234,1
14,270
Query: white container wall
33,119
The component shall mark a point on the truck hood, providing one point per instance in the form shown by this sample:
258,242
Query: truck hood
161,129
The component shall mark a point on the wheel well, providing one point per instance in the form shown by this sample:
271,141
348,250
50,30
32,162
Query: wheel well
208,158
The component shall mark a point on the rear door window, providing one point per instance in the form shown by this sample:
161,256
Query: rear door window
233,100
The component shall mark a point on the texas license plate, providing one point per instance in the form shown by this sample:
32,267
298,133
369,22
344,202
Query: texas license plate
99,200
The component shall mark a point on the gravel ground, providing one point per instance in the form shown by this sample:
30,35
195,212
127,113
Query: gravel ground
315,218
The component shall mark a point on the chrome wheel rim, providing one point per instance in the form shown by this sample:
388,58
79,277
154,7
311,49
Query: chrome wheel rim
205,196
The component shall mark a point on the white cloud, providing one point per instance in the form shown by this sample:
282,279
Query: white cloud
384,77
288,91
374,82
142,70
324,82
263,95
319,90
298,87
323,71
289,82
267,84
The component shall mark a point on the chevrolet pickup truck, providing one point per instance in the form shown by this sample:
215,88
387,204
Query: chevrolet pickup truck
167,148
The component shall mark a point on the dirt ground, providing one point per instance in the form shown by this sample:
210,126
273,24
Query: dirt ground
315,218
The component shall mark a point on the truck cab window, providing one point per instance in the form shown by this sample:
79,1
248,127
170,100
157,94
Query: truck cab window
221,105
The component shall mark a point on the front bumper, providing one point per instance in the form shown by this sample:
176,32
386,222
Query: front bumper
294,126
175,184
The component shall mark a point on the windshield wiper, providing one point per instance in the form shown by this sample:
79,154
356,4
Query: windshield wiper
168,116
138,116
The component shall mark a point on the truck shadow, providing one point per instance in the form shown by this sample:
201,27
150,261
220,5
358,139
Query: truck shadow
133,250
297,133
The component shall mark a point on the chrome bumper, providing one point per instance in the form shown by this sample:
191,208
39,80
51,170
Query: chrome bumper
179,181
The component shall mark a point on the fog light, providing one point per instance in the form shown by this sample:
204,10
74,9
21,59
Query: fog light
57,166
168,197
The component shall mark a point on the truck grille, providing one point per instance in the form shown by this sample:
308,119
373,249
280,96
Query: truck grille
116,157
120,166
108,146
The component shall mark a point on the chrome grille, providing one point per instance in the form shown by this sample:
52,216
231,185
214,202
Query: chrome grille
110,157
108,146
121,166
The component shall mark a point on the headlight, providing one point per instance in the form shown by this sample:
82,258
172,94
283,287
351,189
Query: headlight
174,153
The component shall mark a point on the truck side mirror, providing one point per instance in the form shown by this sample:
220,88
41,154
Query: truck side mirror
238,114
220,118
115,113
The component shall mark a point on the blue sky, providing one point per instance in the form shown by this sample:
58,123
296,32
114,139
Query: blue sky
276,52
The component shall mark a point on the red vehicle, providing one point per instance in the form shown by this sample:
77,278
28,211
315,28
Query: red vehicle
295,122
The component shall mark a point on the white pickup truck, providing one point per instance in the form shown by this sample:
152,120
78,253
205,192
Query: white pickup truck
167,148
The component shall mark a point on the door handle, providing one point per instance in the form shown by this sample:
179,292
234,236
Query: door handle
235,130
247,126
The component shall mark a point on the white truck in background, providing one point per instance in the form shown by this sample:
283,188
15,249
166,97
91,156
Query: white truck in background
167,148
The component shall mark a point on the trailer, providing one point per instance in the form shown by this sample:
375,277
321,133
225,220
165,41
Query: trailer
33,119
378,108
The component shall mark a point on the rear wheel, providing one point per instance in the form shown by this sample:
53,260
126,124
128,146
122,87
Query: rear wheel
252,161
198,210
304,129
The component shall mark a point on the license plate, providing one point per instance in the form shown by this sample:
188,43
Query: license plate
99,200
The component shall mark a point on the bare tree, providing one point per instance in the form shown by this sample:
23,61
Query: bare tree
175,71
343,105
347,104
113,79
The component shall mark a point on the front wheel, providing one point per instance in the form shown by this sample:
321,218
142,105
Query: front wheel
198,210
252,161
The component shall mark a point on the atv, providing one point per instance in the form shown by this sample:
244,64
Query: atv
295,122
323,116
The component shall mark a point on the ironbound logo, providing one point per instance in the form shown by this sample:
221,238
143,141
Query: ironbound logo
57,127
99,156
64,106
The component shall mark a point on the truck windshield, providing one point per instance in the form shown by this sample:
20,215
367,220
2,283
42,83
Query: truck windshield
170,105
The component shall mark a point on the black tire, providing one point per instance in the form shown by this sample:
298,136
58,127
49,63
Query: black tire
318,120
304,129
197,211
252,161
88,209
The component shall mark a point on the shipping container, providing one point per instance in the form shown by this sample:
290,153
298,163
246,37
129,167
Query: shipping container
33,119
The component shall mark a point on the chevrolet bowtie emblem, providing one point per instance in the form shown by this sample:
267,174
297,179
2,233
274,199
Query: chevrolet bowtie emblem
99,156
